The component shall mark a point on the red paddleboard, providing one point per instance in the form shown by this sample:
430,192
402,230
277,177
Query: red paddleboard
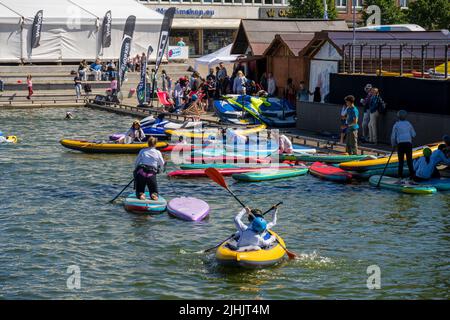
328,172
225,172
184,147
228,159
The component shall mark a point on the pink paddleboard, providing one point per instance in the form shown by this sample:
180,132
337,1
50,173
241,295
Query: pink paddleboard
188,208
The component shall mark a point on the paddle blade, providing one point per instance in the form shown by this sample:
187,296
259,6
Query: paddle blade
216,176
291,255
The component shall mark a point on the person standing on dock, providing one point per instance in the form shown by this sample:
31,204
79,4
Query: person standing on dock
366,116
148,163
77,83
271,85
401,138
376,106
221,76
29,86
351,141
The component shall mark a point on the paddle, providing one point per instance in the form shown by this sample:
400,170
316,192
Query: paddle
215,175
384,170
267,211
111,201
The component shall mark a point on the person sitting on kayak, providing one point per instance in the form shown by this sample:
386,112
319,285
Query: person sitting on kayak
135,133
252,237
148,163
285,144
426,166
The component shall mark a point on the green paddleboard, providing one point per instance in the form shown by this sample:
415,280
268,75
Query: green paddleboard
325,158
390,183
270,174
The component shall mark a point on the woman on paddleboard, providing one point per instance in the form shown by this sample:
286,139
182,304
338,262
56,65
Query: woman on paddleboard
401,138
148,163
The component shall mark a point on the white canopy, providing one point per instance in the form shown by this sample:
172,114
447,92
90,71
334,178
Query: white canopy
221,55
71,29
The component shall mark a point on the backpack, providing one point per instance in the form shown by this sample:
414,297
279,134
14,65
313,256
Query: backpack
87,88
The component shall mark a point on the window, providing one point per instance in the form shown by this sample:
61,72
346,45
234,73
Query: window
257,1
404,3
214,39
357,3
341,3
190,37
277,1
248,1
237,1
217,1
228,1
268,1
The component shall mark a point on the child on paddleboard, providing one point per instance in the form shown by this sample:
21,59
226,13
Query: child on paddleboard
425,167
253,237
148,163
401,138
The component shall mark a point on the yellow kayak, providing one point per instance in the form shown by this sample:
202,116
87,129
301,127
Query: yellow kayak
225,254
205,134
100,147
364,165
11,139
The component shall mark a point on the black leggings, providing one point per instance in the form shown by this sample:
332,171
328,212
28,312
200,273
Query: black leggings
405,148
150,182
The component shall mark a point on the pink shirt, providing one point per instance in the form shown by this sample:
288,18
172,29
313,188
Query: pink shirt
29,83
114,84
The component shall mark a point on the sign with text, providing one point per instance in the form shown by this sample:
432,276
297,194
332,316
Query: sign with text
178,53
274,13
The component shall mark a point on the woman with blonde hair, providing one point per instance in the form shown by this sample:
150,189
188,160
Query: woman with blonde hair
148,164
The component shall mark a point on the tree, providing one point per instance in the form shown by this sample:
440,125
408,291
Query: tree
313,9
431,15
390,12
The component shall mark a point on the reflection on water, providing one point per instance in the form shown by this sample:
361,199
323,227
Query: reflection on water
54,212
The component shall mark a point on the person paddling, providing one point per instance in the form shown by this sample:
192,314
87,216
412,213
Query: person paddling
252,237
135,133
148,163
401,138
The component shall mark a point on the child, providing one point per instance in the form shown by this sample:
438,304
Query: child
425,167
401,138
30,86
148,163
252,238
351,140
113,86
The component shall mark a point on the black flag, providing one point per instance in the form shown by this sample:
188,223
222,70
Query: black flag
129,26
36,29
106,30
163,40
142,86
164,35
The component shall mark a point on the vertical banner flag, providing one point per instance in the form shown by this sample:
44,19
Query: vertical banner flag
125,48
36,29
106,30
142,86
163,40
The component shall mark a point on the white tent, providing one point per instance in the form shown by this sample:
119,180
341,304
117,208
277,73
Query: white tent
221,55
71,29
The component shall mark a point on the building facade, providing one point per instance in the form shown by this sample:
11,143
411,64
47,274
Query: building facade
208,25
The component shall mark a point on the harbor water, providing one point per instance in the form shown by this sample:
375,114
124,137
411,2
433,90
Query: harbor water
55,213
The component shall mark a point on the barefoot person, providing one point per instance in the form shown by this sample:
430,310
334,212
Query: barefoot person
401,138
148,163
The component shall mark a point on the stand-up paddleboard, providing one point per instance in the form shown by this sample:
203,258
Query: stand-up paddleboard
228,159
390,183
378,163
190,166
132,204
188,208
328,172
442,184
192,173
269,174
325,158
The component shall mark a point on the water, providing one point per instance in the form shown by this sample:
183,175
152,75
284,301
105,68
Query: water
54,212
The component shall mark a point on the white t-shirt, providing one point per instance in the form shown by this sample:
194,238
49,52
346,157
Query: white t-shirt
150,157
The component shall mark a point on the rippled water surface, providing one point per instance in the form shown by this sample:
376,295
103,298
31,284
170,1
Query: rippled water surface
54,212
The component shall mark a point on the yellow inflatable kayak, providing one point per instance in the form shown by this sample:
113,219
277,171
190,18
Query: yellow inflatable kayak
100,147
365,165
227,255
11,139
206,133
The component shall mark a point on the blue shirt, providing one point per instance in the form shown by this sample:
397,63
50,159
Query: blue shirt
352,114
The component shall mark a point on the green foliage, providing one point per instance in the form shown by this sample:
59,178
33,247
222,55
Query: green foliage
390,12
431,15
312,9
